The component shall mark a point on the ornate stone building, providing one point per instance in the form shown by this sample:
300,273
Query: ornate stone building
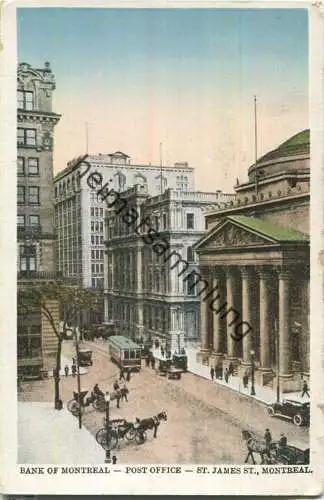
35,209
255,262
147,292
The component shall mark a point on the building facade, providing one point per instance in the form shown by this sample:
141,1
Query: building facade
149,255
255,262
35,208
79,211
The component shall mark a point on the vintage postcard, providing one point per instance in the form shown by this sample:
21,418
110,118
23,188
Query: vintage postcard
162,222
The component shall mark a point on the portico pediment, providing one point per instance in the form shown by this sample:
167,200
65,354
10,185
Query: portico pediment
229,235
244,231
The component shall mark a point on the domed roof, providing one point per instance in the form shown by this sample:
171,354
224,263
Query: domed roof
297,144
293,153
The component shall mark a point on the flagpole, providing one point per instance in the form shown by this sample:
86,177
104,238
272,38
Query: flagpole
87,137
255,143
161,166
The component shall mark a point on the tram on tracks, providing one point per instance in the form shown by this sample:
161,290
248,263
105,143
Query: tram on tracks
125,352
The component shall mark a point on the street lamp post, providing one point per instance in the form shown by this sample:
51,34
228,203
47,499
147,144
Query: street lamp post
78,376
107,401
252,374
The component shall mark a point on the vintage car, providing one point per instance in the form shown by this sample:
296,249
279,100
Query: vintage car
293,410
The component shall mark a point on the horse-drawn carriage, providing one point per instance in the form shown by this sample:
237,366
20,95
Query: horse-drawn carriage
274,453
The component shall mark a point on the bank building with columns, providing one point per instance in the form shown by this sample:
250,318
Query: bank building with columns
255,262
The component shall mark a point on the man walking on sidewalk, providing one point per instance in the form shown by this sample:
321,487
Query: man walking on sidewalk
305,390
212,373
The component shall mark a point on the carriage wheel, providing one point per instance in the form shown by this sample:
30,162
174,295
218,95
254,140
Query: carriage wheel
140,437
99,404
270,411
76,409
101,438
70,403
130,434
298,419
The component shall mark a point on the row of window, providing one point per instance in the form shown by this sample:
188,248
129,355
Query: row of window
32,197
97,254
26,136
25,100
97,268
29,166
97,227
97,212
97,240
27,258
97,282
32,220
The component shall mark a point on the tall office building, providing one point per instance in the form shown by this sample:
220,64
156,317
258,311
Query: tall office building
79,212
35,209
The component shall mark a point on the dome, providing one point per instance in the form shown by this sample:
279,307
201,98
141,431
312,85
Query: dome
293,154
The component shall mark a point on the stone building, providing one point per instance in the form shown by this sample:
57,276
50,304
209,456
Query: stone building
35,209
147,293
255,262
79,212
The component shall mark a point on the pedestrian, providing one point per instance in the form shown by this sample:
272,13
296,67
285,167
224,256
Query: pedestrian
147,360
114,459
128,375
116,386
121,374
162,351
305,389
268,441
66,370
226,375
231,369
212,373
152,362
74,370
245,380
124,391
282,441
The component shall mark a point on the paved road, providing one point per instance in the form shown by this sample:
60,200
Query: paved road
205,420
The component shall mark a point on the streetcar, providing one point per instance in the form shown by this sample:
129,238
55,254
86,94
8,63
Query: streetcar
125,352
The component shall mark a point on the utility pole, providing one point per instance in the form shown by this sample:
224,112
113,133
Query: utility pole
78,377
161,168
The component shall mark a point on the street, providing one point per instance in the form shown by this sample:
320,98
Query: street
205,420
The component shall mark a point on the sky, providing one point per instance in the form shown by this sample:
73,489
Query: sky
183,77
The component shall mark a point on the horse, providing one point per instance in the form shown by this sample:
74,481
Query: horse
151,423
259,446
99,403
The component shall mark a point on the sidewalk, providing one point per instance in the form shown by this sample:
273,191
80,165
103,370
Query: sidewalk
263,394
48,436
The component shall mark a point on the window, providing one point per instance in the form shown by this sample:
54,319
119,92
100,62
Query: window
25,100
27,258
190,255
33,195
92,240
21,166
190,221
21,195
191,284
96,212
93,268
27,136
92,212
164,221
101,212
93,254
33,166
21,220
101,239
34,220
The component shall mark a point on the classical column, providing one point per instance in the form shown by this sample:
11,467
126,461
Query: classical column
265,322
230,303
284,324
246,274
216,304
139,270
204,306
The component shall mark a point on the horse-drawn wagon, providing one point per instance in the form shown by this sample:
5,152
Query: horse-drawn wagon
273,453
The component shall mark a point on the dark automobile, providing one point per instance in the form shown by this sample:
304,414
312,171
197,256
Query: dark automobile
293,410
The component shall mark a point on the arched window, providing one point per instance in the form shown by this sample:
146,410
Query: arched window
120,181
140,179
